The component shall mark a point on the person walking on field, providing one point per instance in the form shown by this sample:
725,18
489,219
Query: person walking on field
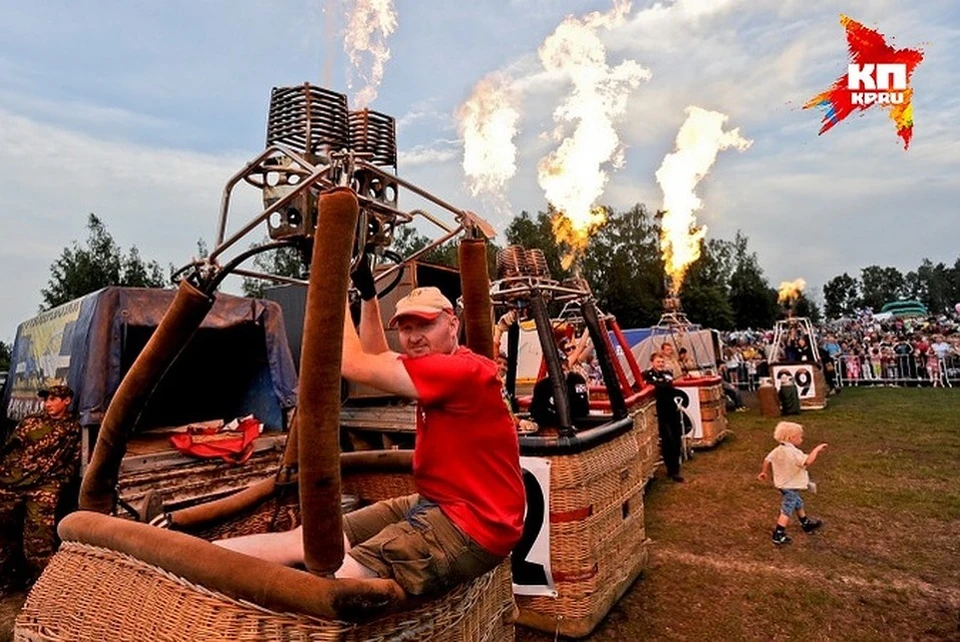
790,476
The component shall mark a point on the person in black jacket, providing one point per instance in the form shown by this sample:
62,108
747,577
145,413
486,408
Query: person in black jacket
543,407
668,414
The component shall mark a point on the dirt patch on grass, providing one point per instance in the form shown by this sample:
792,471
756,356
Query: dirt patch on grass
905,584
10,605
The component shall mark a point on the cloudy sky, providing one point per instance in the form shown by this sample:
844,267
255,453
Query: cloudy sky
140,112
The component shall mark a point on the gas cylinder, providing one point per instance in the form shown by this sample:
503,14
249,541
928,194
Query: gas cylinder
767,397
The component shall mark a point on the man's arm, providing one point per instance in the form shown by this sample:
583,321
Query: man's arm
373,340
383,370
582,350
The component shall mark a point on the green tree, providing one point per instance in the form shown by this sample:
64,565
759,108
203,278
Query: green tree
6,352
953,294
806,307
881,284
284,261
408,240
705,293
623,266
754,302
933,286
81,270
841,295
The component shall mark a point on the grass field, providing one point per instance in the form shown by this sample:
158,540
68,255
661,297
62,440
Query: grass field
885,566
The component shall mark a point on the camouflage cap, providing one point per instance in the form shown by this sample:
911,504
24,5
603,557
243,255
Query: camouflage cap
60,391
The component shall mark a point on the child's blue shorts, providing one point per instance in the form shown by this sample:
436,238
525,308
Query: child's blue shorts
791,501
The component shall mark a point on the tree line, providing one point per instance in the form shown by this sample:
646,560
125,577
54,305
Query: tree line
724,289
936,286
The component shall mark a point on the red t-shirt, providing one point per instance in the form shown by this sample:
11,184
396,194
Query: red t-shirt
467,457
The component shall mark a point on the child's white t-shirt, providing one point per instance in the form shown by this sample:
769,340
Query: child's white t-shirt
788,469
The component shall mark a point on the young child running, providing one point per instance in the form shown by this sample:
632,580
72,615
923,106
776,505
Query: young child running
790,477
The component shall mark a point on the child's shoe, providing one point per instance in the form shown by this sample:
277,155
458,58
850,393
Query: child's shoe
780,538
811,525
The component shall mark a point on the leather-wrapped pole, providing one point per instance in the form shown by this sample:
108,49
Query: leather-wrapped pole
178,325
513,357
475,287
558,381
224,508
318,420
604,352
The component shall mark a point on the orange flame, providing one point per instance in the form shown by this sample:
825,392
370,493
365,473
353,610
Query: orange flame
574,237
573,176
369,25
789,291
488,124
699,140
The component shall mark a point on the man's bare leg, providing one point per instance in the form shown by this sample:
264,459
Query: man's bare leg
286,548
353,568
281,548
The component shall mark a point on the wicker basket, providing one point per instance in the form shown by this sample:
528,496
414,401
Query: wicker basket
597,535
647,436
91,593
819,399
713,416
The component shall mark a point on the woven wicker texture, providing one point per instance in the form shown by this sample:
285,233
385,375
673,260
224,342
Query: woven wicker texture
597,530
711,393
713,416
375,487
581,605
648,437
90,593
274,515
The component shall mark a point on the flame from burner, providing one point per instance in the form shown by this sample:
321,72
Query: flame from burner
789,291
573,176
699,140
369,25
487,125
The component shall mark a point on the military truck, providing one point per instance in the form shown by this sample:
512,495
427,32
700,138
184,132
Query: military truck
237,364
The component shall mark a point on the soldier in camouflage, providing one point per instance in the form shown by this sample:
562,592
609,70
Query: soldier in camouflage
39,458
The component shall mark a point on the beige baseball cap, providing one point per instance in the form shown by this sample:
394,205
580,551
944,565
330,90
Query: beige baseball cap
425,303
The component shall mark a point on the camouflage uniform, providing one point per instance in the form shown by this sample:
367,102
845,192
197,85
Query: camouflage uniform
40,457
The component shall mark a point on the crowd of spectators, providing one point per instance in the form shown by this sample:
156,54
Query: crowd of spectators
864,349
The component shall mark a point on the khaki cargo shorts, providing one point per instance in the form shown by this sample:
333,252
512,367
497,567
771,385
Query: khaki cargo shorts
410,540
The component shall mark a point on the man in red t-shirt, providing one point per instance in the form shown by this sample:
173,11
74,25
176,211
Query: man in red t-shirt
468,512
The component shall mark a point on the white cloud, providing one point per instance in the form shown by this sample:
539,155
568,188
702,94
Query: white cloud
813,206
161,200
440,151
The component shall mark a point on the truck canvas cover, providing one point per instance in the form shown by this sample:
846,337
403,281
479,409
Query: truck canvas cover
237,363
